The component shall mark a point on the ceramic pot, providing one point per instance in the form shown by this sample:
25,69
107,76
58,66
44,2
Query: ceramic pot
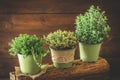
89,53
62,58
28,64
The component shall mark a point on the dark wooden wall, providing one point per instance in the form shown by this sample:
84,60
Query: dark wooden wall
43,16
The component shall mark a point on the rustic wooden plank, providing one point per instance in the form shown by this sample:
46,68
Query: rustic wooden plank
45,6
44,19
18,17
7,65
4,17
40,22
55,6
80,70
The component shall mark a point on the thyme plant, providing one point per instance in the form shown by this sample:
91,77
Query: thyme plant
61,40
91,27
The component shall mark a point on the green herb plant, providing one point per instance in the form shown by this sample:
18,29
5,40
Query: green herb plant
26,45
91,27
61,40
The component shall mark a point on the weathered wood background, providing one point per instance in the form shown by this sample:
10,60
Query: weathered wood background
43,16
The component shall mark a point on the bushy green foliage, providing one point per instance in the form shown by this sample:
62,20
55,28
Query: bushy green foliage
92,27
61,40
27,45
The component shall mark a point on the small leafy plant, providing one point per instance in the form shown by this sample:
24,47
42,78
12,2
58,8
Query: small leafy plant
61,40
92,27
27,45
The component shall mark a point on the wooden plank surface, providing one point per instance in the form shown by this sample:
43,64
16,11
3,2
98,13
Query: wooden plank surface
79,71
5,69
44,6
43,16
55,6
7,65
38,21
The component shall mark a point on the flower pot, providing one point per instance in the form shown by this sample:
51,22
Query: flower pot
89,53
28,65
62,58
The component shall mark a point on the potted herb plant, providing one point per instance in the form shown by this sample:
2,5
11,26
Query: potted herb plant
62,45
29,49
91,30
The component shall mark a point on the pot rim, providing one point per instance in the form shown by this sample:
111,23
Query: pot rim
62,49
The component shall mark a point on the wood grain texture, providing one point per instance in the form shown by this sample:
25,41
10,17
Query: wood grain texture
44,6
79,71
43,16
54,6
7,65
40,22
22,22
